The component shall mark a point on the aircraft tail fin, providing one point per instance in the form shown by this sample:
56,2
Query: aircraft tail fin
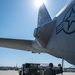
43,16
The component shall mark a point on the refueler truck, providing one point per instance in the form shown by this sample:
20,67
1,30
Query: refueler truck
30,69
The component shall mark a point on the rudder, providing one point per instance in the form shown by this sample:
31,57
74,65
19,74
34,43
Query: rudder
43,16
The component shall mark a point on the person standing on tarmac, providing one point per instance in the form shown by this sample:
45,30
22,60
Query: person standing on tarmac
60,69
50,71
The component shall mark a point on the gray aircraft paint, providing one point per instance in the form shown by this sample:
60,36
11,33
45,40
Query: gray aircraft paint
55,37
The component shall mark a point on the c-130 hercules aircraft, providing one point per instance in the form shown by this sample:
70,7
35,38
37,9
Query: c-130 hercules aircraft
55,37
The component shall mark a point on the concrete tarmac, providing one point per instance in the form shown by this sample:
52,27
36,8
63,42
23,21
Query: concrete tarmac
9,72
12,72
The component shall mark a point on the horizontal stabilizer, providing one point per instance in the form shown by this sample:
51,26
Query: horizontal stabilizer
17,44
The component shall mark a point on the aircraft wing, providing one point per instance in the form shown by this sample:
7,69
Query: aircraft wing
18,44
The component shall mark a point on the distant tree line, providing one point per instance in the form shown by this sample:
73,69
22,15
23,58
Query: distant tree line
8,68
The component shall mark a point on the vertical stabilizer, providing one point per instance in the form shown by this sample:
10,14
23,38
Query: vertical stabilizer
43,16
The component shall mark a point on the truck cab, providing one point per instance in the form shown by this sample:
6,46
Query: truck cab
30,69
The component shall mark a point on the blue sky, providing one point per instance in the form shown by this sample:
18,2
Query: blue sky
18,18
